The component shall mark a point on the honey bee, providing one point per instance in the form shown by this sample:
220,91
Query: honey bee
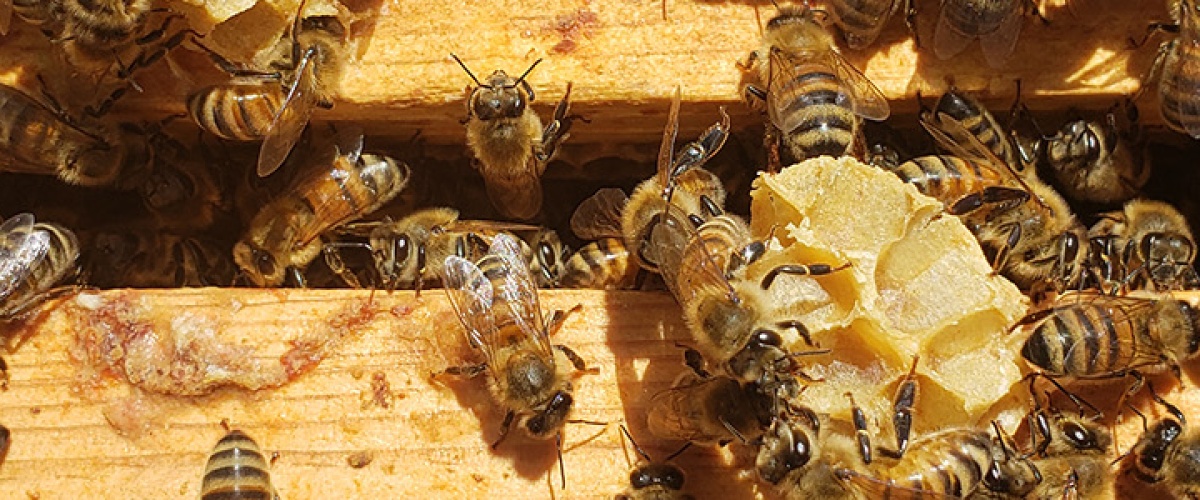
236,468
549,258
861,21
1089,336
155,260
958,117
1153,243
1099,161
1174,68
411,250
1166,453
285,235
652,480
802,457
1072,457
708,410
509,141
275,106
679,187
34,258
39,140
496,301
996,23
814,97
602,264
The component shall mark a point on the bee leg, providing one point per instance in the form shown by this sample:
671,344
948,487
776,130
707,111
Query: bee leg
1079,402
333,259
910,20
771,145
990,195
576,361
1039,427
504,428
694,360
902,409
801,330
3,374
558,317
860,430
799,269
469,371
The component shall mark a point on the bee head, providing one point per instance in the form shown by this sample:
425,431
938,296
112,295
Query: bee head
259,265
545,424
1081,142
1150,452
552,255
501,96
1166,248
787,446
665,475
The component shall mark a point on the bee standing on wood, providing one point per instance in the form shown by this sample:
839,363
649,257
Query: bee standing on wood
652,480
814,97
496,301
237,469
509,141
996,23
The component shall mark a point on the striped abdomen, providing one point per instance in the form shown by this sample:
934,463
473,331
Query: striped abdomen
237,111
947,464
1082,340
236,470
861,20
104,24
977,17
348,191
977,121
811,111
34,139
601,264
1179,89
59,262
947,178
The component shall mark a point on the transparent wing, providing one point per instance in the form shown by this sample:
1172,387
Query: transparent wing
291,119
599,216
1187,106
471,296
514,284
6,7
489,227
331,205
867,100
666,150
998,45
21,248
876,487
953,136
948,40
791,87
873,21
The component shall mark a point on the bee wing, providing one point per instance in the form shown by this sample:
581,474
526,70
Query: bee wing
677,247
487,227
951,135
471,296
599,216
6,7
21,248
885,488
671,413
666,150
518,290
999,44
291,119
948,40
867,100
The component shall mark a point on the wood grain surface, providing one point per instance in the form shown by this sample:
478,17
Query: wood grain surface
77,433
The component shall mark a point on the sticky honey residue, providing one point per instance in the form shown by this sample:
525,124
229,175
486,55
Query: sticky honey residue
579,23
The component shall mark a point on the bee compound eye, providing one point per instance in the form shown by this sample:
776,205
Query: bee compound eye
264,262
1081,438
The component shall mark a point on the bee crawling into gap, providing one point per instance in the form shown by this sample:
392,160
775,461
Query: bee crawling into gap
652,480
508,139
496,301
237,469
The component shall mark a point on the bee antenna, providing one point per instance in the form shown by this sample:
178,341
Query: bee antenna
526,73
1002,437
678,452
562,471
636,448
468,70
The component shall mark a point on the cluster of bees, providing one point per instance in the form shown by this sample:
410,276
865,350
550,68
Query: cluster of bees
1108,314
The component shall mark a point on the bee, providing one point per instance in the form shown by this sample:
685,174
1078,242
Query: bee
1090,336
801,457
602,264
958,118
1166,453
861,21
1154,243
996,23
509,141
1072,456
707,410
36,257
236,468
408,251
35,139
1098,162
285,234
549,258
275,106
180,191
652,480
1174,68
496,301
814,97
680,187
146,259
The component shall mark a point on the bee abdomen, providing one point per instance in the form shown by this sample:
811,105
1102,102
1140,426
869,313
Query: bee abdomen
600,264
58,263
859,16
1177,90
1080,340
236,111
236,470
